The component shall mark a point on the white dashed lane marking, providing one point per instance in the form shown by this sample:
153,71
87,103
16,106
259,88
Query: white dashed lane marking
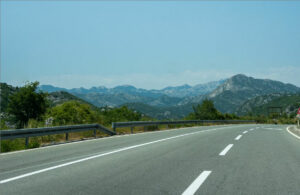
223,153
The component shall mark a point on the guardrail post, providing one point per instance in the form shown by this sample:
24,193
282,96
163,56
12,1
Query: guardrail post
26,141
95,133
131,129
67,136
113,127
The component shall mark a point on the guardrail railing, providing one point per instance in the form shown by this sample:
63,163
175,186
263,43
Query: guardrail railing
34,132
133,124
26,133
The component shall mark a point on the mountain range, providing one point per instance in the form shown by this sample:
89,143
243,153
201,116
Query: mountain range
177,91
239,94
113,97
176,102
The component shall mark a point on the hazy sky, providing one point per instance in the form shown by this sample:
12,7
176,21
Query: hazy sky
148,44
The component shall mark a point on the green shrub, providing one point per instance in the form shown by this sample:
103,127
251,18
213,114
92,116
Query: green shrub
12,145
72,112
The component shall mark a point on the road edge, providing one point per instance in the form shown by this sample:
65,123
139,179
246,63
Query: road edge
109,137
292,132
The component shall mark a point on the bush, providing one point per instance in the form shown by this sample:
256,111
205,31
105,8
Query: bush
11,145
207,111
120,115
72,112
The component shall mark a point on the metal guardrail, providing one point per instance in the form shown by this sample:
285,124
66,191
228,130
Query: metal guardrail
26,133
133,124
33,132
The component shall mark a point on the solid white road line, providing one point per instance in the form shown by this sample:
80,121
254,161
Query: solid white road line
245,132
238,137
196,183
103,154
288,130
226,150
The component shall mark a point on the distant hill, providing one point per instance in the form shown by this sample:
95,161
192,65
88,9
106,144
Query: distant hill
55,98
240,88
60,97
260,104
167,97
173,112
188,91
177,91
115,100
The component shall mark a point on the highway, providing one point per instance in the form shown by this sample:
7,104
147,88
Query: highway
233,159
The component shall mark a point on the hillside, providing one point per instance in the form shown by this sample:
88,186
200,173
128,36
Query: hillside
240,88
260,105
54,98
188,91
115,100
173,112
60,97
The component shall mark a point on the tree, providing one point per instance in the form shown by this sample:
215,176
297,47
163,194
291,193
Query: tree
73,112
207,111
121,114
26,103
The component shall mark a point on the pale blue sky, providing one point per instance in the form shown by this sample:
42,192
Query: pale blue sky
148,44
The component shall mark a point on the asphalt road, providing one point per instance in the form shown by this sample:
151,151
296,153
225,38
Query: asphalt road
235,159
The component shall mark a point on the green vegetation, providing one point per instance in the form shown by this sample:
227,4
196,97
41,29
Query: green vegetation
6,91
27,104
160,112
271,108
59,97
260,105
120,114
72,112
289,104
207,111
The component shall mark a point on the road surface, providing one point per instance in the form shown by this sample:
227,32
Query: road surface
233,159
